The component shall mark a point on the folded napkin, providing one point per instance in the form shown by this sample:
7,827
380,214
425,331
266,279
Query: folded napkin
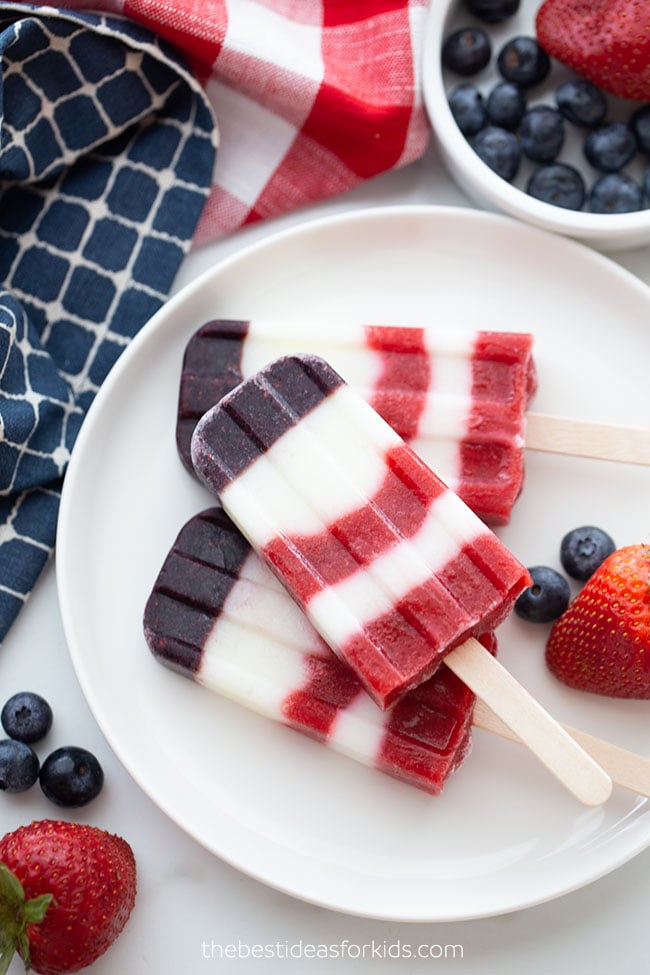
311,96
106,159
108,127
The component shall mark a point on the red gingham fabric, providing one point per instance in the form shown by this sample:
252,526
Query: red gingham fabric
310,96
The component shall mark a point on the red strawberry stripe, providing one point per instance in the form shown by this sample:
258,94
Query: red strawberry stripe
356,539
402,386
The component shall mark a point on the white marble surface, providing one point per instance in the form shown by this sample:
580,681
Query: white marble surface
189,901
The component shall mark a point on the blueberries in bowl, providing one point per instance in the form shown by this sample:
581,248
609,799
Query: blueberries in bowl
640,126
581,103
492,11
541,133
558,184
499,149
468,108
616,193
505,105
610,147
466,51
523,61
557,119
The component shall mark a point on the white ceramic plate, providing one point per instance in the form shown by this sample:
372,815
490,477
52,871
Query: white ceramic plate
278,806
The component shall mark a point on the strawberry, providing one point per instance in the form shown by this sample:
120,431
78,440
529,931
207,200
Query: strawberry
606,41
601,643
66,892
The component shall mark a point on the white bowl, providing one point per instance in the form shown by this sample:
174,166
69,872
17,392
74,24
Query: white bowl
606,232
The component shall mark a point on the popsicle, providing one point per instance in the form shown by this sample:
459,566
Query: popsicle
457,397
392,569
218,615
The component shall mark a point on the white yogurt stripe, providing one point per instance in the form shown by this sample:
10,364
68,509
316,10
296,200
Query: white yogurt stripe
254,671
372,591
444,420
259,602
312,475
360,367
450,343
359,730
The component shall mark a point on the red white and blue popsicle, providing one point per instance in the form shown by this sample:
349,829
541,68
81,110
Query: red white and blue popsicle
459,398
218,615
389,565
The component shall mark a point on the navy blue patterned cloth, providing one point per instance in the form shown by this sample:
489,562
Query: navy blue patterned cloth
107,153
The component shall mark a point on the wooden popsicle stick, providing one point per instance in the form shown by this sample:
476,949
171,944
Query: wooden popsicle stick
580,438
625,768
558,751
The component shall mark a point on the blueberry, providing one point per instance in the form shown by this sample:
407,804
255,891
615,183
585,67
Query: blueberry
558,184
523,61
467,107
492,11
610,147
466,51
499,149
505,105
645,183
615,193
18,766
71,776
640,126
546,599
541,133
581,103
583,550
26,716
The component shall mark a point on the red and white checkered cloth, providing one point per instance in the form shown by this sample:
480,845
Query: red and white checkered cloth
311,96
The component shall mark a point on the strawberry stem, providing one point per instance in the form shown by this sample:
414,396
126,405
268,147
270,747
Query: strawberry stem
15,915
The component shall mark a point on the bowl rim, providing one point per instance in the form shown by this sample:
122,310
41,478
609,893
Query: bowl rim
472,172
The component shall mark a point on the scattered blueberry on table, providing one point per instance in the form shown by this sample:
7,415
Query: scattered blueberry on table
546,599
19,766
26,716
69,776
584,549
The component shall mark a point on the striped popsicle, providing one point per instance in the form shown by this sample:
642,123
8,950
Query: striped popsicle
390,566
218,615
458,397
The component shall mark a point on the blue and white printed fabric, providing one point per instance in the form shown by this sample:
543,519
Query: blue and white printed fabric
107,153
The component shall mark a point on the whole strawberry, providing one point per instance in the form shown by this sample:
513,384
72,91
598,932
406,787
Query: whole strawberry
602,642
606,41
66,892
